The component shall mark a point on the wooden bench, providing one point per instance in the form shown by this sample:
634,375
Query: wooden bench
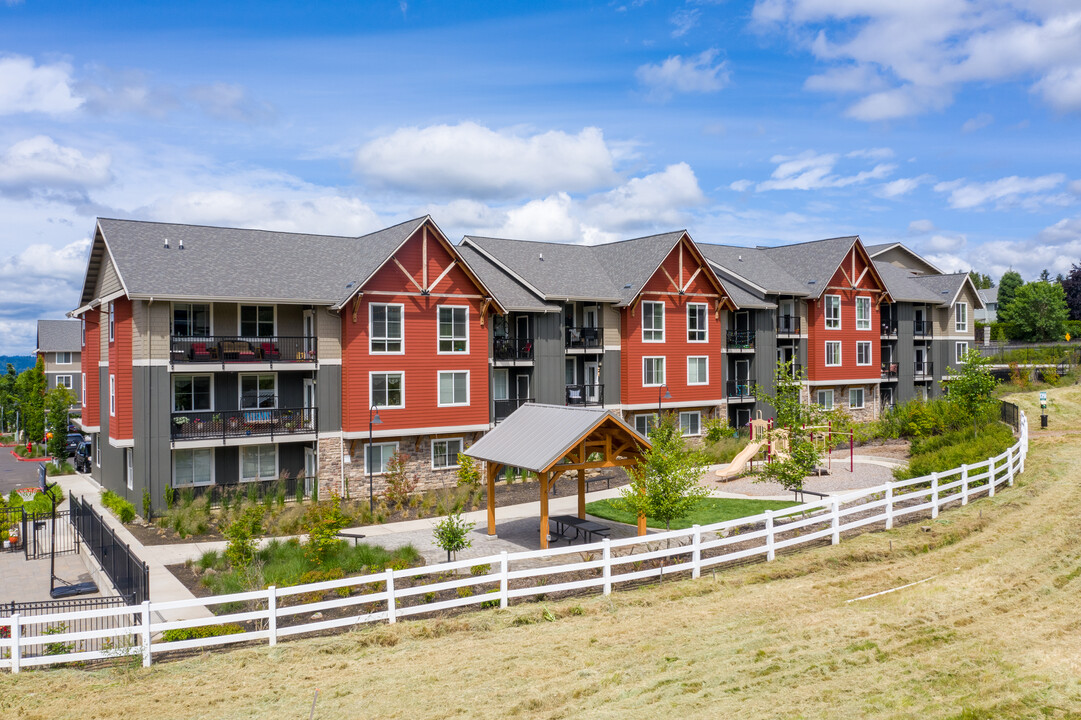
354,536
606,479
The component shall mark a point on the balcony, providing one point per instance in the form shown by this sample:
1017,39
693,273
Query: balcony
788,324
233,349
262,422
739,340
889,371
924,370
585,394
923,329
889,329
504,408
739,390
512,349
797,371
585,338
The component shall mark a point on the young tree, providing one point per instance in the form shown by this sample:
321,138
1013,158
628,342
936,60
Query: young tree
791,415
971,387
982,281
452,534
30,388
664,486
57,403
1038,312
1072,286
1008,285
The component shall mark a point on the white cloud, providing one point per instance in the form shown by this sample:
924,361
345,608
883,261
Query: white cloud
656,199
977,123
1004,192
29,88
229,101
1055,248
39,163
742,185
38,281
684,21
850,79
880,153
1061,88
945,243
813,171
695,74
469,160
547,219
902,186
921,227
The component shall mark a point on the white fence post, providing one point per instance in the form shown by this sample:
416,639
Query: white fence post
835,521
16,641
146,633
504,583
991,477
606,555
934,495
964,484
696,552
770,553
1009,466
272,613
391,615
889,506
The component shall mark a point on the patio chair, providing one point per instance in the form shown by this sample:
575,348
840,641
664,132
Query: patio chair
199,351
270,351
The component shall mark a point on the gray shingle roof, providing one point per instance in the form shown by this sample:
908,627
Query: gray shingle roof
989,295
535,435
873,250
755,266
246,264
902,286
60,336
746,297
814,262
554,270
510,293
945,287
631,263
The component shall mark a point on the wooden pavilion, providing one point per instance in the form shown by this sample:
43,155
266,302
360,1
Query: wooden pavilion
551,440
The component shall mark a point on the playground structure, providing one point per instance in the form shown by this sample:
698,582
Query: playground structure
774,443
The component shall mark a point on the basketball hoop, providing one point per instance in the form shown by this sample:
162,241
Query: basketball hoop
27,494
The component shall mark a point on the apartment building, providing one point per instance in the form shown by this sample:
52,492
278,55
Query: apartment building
59,344
222,356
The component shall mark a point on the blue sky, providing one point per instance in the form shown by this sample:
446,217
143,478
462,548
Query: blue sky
949,125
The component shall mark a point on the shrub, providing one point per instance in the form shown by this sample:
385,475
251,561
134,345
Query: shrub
400,484
490,603
118,505
169,496
202,631
716,429
951,450
468,475
323,523
478,570
147,505
1050,376
242,533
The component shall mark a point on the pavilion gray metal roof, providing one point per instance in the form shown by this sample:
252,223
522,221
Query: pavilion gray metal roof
244,264
902,286
510,293
535,436
756,267
60,336
815,261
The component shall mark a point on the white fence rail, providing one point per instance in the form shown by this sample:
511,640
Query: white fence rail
271,614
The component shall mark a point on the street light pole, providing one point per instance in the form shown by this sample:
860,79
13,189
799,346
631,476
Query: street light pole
372,420
667,396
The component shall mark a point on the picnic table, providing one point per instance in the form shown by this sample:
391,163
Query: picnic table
582,528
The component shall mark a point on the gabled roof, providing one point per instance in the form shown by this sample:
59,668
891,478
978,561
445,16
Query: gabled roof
948,287
989,295
60,336
631,263
755,267
902,286
816,262
881,248
537,436
510,293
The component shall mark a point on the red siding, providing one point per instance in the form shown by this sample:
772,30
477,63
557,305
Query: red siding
120,427
91,354
420,361
817,336
675,348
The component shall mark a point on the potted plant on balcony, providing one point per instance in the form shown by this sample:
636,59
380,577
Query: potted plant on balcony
181,422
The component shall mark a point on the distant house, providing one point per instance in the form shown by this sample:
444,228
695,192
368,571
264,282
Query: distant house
990,301
60,343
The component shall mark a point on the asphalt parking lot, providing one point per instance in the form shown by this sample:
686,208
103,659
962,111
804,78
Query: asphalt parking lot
15,474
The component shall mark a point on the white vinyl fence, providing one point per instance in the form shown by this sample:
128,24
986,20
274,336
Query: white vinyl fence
275,613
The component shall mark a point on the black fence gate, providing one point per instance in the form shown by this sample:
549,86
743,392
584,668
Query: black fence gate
129,574
11,529
44,535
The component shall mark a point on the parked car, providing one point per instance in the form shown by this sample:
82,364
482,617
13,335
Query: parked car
82,457
72,443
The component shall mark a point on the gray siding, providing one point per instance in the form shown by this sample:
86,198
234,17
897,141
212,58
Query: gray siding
548,356
328,395
610,376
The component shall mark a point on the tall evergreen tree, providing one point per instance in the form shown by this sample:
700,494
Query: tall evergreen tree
982,281
1008,285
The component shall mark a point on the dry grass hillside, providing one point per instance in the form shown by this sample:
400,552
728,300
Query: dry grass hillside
996,633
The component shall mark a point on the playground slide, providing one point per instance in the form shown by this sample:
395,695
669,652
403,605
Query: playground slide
740,461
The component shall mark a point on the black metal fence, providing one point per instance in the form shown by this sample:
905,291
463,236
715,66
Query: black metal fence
76,625
740,339
504,408
889,371
923,369
512,348
11,529
45,535
585,394
1009,414
223,424
923,328
225,349
739,389
584,338
788,324
129,575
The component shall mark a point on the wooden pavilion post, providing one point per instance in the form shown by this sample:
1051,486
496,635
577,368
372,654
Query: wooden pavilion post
491,468
641,525
543,477
581,493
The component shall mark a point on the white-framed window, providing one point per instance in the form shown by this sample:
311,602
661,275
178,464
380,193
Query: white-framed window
697,328
500,385
193,393
833,312
855,398
833,353
192,468
825,399
643,424
112,322
97,452
652,321
191,320
445,453
690,423
112,395
82,332
63,358
257,320
259,391
388,389
863,352
652,371
64,381
129,467
959,350
863,313
698,370
385,328
258,462
453,330
377,455
960,321
82,389
453,388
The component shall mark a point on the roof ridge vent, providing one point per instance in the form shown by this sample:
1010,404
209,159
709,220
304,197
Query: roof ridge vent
540,256
166,243
180,244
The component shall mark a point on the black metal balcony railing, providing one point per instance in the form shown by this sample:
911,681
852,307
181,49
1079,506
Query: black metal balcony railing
889,328
260,422
788,324
512,348
923,328
223,349
889,371
504,408
739,389
924,369
584,338
585,394
740,339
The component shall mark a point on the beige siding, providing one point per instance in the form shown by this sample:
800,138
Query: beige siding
328,328
902,259
226,319
150,330
943,318
290,322
73,367
610,321
108,280
967,295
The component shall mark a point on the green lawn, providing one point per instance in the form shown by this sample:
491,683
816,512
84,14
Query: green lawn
708,511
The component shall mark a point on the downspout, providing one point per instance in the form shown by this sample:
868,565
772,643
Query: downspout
149,399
